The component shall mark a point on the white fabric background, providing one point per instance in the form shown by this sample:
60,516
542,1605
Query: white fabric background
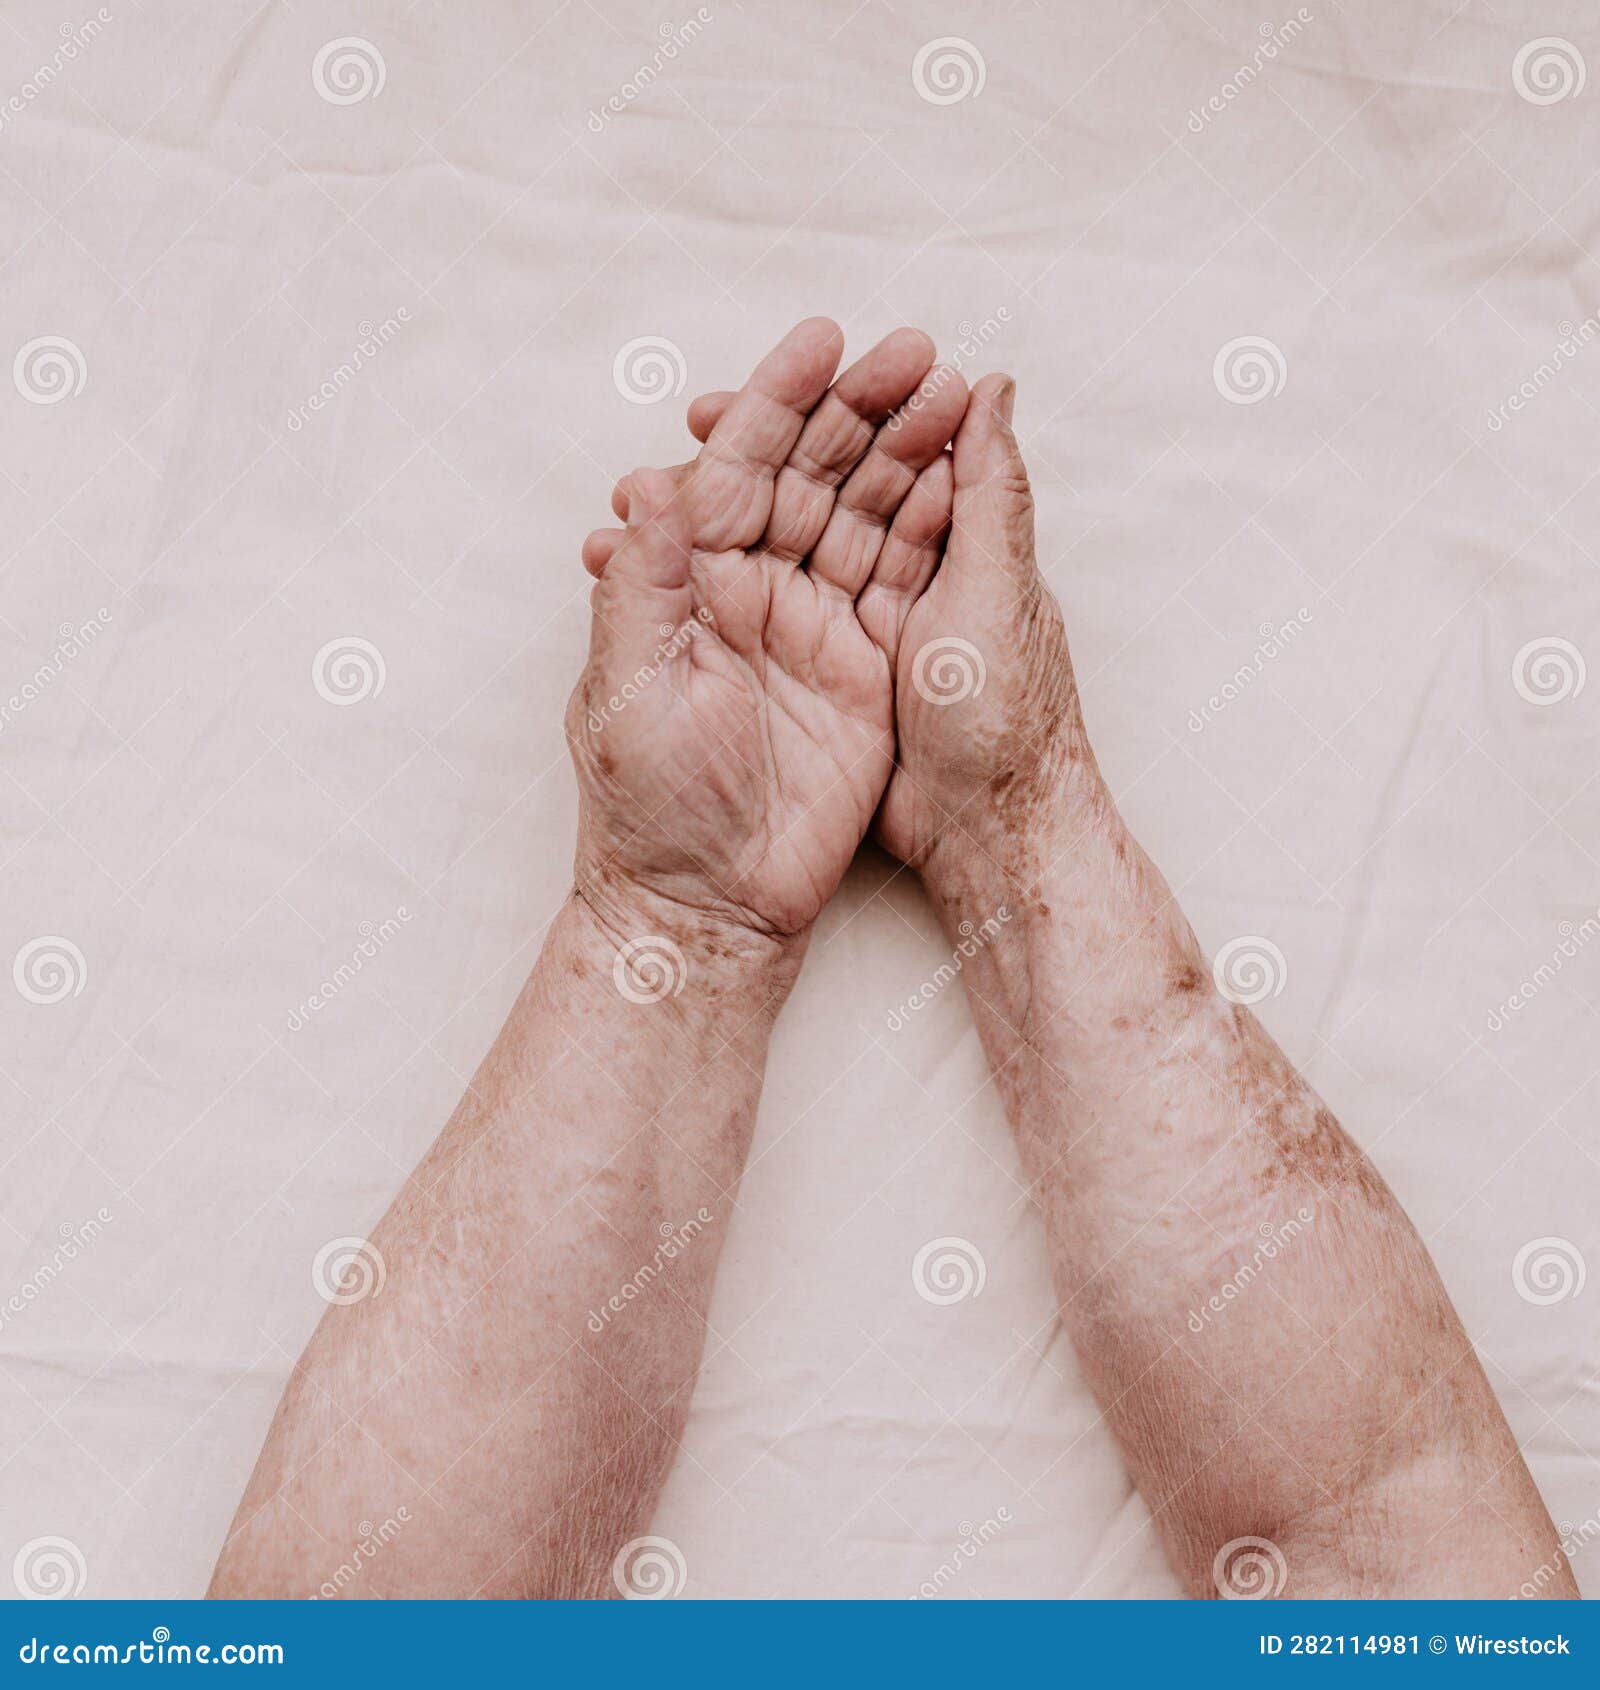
181,804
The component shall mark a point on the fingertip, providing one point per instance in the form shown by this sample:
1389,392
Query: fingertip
1006,400
821,330
986,428
598,548
706,411
912,343
650,491
986,390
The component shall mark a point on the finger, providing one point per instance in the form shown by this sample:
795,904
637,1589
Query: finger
619,493
866,505
909,556
706,412
646,579
992,523
731,489
836,437
598,548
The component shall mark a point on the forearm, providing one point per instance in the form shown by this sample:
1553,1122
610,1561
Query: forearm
511,1399
1258,1317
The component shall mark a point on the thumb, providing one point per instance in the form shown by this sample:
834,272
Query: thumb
992,518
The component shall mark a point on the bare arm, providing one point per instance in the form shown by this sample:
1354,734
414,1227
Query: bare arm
1262,1325
504,1411
498,1418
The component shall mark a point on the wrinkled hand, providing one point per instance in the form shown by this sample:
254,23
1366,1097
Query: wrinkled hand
733,730
992,758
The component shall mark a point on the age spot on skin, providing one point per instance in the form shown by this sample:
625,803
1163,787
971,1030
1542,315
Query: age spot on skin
1187,978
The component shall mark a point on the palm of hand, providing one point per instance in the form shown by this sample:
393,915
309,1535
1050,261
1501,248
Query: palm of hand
743,766
748,782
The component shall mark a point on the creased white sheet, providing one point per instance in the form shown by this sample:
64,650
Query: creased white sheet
179,803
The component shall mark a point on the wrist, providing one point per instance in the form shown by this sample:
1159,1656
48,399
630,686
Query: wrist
658,949
1079,933
1018,836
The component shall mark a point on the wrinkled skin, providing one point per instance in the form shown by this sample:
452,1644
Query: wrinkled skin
751,741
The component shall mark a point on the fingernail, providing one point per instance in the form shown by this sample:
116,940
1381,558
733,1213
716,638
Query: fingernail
1006,401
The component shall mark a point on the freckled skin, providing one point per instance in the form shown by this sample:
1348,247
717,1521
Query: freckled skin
519,1386
1330,1401
508,1399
